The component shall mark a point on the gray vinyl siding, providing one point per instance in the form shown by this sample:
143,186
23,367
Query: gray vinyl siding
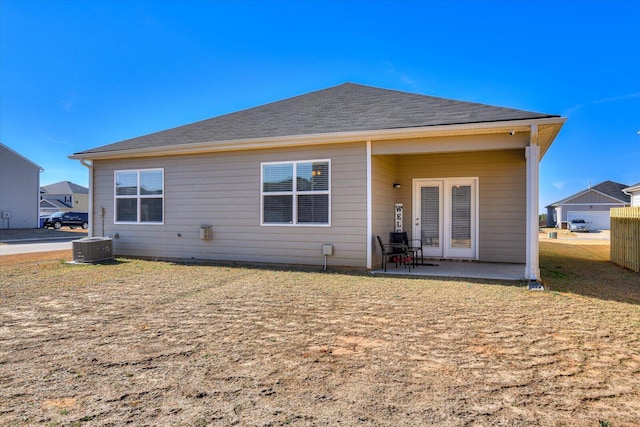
383,175
502,202
19,191
591,197
223,189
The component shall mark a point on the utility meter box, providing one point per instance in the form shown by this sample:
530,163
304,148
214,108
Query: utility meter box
327,249
206,232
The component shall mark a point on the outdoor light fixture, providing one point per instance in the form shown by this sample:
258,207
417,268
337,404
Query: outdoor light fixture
396,185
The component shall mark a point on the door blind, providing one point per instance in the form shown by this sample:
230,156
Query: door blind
461,216
430,220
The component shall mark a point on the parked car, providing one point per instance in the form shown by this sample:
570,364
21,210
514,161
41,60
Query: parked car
578,225
64,219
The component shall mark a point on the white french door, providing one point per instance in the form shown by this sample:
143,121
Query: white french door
445,213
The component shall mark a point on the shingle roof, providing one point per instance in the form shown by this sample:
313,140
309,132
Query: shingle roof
54,203
610,188
348,107
64,187
613,189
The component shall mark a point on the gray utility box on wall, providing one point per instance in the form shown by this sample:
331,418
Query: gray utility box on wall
92,249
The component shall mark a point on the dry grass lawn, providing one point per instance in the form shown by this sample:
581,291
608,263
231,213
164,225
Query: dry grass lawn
153,343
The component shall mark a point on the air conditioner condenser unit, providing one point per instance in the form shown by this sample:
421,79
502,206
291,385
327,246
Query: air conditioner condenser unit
92,249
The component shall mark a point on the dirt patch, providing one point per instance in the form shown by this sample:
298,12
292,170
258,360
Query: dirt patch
13,260
165,344
63,404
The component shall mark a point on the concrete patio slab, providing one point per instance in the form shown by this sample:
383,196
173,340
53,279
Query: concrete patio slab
461,269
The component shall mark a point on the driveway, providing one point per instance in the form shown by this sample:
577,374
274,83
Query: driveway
595,237
21,241
602,235
26,248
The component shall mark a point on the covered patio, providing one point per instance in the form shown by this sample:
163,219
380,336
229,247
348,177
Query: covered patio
459,269
472,201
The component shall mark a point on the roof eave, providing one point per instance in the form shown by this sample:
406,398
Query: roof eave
482,128
630,190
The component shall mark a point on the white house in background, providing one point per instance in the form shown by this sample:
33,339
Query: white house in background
278,182
63,196
592,205
634,193
19,190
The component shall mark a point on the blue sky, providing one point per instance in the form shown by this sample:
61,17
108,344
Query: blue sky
80,74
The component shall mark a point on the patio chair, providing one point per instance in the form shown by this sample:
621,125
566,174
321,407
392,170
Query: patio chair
396,252
414,245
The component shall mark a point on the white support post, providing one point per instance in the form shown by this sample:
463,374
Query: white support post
532,267
369,210
559,218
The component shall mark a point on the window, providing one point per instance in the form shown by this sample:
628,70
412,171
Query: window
139,196
300,201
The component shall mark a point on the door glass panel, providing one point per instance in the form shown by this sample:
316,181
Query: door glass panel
461,216
430,216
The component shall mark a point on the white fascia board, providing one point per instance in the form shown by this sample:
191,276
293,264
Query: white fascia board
632,189
326,138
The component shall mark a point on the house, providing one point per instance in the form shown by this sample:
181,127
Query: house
19,184
592,205
48,207
634,193
63,196
274,183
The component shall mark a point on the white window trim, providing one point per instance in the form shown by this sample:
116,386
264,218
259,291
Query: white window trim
138,197
295,194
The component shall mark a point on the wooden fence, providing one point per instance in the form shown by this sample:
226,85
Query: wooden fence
625,237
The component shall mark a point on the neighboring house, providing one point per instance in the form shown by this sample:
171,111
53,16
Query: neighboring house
19,184
634,194
48,207
592,205
278,181
63,196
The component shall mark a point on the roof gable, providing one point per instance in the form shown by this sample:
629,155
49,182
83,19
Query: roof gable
607,190
20,156
345,108
53,203
64,187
